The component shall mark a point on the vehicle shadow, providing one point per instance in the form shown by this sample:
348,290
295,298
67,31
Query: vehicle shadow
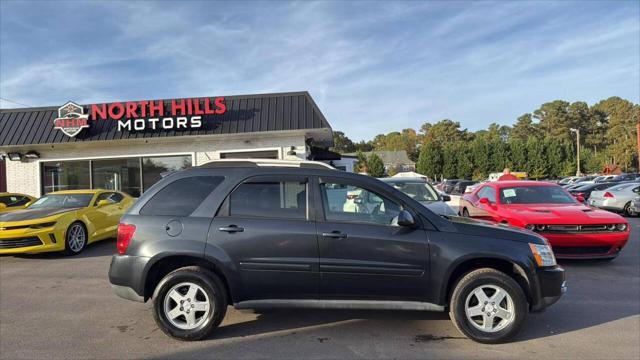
276,320
105,247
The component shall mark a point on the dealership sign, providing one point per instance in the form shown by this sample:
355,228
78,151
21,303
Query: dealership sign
176,114
71,119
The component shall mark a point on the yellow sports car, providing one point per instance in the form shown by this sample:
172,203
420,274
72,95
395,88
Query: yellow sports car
63,221
14,201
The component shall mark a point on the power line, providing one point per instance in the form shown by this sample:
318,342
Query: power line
14,102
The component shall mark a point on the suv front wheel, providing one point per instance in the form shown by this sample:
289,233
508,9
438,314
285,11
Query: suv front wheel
488,306
189,303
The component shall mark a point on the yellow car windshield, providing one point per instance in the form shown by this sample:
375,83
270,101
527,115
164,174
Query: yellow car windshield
62,201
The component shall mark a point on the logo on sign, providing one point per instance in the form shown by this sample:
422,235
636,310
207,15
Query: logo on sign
71,119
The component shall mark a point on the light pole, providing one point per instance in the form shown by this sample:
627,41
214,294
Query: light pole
577,149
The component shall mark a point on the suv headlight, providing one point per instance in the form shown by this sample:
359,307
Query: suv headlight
543,254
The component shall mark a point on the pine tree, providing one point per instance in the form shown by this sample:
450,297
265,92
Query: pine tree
430,160
375,165
449,161
537,164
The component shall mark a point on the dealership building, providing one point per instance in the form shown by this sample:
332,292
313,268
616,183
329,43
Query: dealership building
128,145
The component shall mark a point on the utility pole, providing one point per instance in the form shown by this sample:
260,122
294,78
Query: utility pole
577,131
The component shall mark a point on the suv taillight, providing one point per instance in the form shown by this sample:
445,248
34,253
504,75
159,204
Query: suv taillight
125,233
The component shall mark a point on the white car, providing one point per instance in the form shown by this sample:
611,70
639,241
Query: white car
616,198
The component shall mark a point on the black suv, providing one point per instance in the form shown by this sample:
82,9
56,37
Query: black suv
260,235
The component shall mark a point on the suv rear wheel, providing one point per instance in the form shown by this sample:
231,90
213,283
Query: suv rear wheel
189,303
488,306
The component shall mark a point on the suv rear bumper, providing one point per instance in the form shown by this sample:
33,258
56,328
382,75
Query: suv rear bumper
126,275
551,285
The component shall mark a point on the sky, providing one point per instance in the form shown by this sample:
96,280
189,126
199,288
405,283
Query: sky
372,67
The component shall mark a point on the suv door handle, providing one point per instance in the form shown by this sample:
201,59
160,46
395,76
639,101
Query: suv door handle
231,229
335,235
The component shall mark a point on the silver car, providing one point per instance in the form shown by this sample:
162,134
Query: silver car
635,206
424,193
616,198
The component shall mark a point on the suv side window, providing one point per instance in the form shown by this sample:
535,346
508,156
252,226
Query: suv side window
349,203
270,199
181,197
489,193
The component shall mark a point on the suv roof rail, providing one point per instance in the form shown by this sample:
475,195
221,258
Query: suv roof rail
266,163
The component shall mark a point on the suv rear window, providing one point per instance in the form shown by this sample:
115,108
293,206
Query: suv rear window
181,197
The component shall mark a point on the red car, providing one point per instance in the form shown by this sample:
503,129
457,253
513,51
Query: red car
574,230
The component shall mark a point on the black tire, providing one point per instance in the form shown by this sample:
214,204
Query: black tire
207,281
482,277
73,250
465,212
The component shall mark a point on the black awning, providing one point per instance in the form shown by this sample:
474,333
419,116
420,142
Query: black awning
244,114
320,154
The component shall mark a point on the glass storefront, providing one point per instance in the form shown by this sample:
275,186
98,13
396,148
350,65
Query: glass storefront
65,175
131,175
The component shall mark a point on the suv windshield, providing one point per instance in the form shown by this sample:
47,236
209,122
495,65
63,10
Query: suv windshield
419,191
62,201
535,195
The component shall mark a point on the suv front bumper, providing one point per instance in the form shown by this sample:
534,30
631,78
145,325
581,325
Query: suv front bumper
550,287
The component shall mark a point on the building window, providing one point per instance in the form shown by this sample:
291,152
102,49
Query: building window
131,175
117,174
65,175
154,167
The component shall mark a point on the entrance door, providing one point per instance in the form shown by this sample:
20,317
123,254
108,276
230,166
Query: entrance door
362,255
266,229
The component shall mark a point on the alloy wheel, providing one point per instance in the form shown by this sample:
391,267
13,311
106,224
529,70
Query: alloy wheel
77,238
489,308
187,306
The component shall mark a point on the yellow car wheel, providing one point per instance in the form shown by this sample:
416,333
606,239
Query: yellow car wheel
76,239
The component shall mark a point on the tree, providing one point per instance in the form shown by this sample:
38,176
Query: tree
361,162
554,155
342,144
465,164
480,153
518,151
430,160
499,155
622,117
444,131
375,165
524,128
537,165
569,163
449,161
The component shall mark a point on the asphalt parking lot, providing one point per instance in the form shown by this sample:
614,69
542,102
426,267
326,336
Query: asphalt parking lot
53,306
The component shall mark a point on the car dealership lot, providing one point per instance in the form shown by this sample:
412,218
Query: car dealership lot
62,307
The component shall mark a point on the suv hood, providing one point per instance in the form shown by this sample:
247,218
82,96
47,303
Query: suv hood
494,230
569,214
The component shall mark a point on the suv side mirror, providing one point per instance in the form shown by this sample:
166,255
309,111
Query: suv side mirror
485,201
406,219
446,198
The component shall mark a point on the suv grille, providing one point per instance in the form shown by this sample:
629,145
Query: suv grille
19,242
584,250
